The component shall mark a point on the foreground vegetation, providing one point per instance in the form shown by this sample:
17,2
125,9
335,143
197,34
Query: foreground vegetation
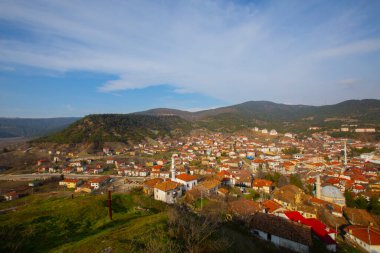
57,223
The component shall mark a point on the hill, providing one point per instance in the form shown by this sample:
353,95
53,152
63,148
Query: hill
165,122
128,128
23,127
54,222
281,116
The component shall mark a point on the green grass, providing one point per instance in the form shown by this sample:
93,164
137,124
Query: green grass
201,203
42,223
58,223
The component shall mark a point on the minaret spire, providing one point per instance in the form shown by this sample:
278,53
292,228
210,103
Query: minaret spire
318,187
345,157
172,168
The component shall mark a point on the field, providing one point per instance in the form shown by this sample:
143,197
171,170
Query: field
54,222
49,223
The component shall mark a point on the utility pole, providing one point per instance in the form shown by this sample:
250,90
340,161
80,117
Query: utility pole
109,205
201,200
369,237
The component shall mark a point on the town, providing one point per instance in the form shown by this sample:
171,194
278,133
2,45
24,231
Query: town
305,187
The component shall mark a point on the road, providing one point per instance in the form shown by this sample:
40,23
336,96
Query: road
31,177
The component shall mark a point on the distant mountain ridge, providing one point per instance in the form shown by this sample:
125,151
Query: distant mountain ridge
286,117
166,122
26,127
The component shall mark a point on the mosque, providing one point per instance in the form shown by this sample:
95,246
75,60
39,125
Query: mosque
329,193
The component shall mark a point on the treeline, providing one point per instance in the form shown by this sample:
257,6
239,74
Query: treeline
372,205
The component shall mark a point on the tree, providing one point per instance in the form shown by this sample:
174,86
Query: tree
374,205
296,180
194,232
282,181
310,189
350,202
260,173
291,151
361,202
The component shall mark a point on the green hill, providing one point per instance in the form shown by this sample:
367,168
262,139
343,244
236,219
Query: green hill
281,116
120,128
163,122
57,223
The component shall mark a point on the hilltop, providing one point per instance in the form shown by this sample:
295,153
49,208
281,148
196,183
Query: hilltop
128,128
281,116
165,122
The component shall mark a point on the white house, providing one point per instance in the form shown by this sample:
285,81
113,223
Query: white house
168,191
281,232
98,182
187,180
289,135
273,132
366,237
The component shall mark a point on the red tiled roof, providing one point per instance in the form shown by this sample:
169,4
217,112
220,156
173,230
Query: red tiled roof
332,180
98,179
152,182
71,180
361,232
167,186
271,205
318,228
244,207
186,177
262,182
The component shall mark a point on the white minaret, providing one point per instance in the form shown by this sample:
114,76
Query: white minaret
172,168
318,187
345,154
345,158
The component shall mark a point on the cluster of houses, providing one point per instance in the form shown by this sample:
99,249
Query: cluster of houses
213,164
88,186
288,205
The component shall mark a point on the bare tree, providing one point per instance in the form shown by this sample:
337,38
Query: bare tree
196,232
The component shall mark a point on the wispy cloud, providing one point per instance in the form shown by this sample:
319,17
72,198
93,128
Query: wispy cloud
69,107
357,47
228,50
348,82
7,68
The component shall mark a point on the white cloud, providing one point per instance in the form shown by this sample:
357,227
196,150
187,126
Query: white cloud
223,49
348,82
357,47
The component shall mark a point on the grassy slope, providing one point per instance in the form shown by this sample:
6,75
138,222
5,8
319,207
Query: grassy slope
57,223
51,223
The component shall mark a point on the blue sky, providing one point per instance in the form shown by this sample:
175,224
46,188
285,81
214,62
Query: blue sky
72,58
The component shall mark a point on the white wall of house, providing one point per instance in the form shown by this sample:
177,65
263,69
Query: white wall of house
95,185
279,241
169,197
364,245
187,185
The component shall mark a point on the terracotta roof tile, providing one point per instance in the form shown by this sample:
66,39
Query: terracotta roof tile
186,177
167,186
